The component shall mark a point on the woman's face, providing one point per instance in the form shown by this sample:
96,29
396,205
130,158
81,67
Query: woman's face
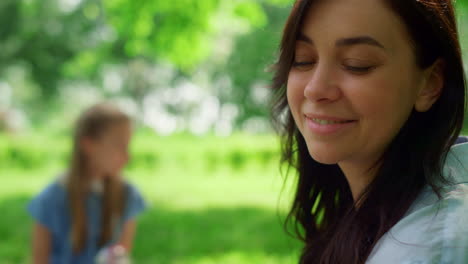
354,81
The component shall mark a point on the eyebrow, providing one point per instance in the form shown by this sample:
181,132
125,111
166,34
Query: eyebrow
304,38
359,40
366,40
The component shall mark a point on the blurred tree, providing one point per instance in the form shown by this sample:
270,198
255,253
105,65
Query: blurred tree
250,65
52,41
74,37
182,32
43,36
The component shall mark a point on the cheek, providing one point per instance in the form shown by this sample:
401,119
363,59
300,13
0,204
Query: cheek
120,159
99,156
366,102
383,104
109,158
295,94
116,159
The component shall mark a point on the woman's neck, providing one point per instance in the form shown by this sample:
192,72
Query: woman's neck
359,176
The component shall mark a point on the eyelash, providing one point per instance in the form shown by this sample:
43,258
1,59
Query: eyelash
302,63
357,70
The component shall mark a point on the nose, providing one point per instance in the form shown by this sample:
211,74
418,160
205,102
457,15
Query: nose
322,85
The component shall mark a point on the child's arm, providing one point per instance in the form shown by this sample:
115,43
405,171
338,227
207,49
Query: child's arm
41,244
128,233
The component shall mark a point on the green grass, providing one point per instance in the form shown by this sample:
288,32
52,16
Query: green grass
213,235
210,200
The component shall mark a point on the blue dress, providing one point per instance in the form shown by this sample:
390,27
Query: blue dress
433,231
51,209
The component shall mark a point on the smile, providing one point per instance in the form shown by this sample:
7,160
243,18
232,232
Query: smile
328,122
324,125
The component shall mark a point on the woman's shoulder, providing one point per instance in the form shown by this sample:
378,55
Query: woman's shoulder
456,165
455,195
437,214
435,228
455,226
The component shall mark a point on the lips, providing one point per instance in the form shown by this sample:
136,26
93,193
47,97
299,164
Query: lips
327,125
327,120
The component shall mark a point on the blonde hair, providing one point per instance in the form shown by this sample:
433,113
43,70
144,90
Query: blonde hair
93,123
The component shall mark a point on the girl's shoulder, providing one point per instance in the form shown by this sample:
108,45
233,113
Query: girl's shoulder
53,191
45,206
135,203
130,188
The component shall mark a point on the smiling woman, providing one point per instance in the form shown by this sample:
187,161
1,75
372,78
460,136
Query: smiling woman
348,93
374,94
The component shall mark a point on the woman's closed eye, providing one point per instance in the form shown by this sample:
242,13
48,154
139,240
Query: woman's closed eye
358,67
303,64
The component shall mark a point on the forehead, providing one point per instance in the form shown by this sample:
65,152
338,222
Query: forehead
328,20
118,130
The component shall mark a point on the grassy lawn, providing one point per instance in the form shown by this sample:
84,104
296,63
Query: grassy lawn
210,200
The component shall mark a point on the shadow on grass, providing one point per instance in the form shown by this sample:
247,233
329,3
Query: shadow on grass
15,228
170,236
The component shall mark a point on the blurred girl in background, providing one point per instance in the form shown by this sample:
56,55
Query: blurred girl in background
90,207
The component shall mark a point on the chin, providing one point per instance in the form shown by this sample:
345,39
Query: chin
114,173
324,156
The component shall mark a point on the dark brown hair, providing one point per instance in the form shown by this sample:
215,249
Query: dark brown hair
93,123
323,212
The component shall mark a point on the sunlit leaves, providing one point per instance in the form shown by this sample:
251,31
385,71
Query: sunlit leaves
181,32
71,38
252,12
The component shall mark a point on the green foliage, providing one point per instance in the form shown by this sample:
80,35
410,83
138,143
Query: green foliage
252,12
44,37
54,40
148,151
172,30
461,5
215,235
14,239
52,44
251,61
31,152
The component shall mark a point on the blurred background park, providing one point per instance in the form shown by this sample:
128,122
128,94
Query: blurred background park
194,75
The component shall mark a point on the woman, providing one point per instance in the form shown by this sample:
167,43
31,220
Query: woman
370,97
